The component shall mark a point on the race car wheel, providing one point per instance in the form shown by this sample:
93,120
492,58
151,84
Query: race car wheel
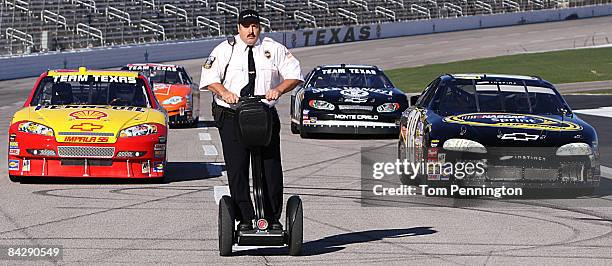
304,135
15,179
294,128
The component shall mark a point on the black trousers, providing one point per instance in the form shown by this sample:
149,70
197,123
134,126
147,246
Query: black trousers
237,158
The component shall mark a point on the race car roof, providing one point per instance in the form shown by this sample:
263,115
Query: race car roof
88,72
493,76
153,65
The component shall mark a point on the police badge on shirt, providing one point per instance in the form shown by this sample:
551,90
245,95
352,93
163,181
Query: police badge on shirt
209,62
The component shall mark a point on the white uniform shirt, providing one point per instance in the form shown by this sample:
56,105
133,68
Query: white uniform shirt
273,64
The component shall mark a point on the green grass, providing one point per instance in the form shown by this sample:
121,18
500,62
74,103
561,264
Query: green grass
557,67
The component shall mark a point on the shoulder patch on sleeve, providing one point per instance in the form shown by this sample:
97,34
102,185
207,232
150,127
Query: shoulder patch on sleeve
209,62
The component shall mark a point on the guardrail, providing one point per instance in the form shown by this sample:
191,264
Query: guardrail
23,6
379,10
511,4
83,29
221,6
457,10
47,15
299,15
86,3
414,8
348,15
174,10
319,4
19,36
203,22
359,3
153,27
269,4
484,6
112,12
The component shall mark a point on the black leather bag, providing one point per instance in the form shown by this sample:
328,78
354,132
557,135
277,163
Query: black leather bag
254,120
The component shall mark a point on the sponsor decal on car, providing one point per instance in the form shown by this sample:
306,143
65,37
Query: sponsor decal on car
522,121
96,78
13,165
86,127
78,139
145,168
26,165
519,136
434,143
121,108
355,117
13,145
372,90
159,168
13,151
88,114
154,67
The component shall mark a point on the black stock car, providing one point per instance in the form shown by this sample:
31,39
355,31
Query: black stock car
519,128
347,99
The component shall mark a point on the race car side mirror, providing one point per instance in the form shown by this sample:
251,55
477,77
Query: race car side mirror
414,99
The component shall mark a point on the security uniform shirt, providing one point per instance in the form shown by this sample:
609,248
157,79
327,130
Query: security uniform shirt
273,64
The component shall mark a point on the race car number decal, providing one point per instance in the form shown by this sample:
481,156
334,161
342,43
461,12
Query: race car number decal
522,121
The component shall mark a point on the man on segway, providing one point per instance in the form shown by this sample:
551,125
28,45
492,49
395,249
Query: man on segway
243,66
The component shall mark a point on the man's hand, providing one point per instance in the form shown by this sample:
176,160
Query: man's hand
273,94
229,97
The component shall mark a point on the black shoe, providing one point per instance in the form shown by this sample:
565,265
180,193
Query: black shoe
245,226
276,225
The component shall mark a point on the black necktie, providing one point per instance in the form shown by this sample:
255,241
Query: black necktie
249,89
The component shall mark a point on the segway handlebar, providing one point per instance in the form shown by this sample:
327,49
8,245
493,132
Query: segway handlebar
251,98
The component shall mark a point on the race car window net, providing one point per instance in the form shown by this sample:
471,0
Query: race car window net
90,92
465,96
345,77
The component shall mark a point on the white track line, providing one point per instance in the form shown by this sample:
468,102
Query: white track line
204,136
210,150
601,111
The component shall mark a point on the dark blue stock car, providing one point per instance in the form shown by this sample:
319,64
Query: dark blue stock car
347,99
519,128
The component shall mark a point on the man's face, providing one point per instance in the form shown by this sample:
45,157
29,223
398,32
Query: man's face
249,32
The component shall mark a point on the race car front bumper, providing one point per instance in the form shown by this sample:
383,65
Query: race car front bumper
532,168
351,127
42,156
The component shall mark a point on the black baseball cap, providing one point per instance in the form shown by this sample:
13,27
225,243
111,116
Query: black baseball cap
248,16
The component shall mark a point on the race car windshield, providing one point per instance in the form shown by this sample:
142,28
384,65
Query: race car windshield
349,77
463,96
166,77
91,90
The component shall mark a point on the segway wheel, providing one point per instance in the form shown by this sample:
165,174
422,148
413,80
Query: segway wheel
226,226
295,225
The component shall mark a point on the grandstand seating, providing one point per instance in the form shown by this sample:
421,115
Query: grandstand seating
28,26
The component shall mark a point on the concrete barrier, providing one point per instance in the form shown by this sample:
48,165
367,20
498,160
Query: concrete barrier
105,57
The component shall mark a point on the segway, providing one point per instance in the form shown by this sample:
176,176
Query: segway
255,130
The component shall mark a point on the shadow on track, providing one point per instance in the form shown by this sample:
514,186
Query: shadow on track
175,172
339,242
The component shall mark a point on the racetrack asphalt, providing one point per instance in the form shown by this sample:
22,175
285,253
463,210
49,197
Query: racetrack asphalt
104,222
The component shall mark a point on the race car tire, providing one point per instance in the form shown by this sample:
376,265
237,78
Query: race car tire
304,135
405,179
15,179
294,128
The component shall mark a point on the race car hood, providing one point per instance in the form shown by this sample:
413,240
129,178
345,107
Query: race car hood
165,91
355,95
93,121
514,130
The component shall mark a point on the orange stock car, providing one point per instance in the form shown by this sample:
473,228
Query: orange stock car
174,89
87,123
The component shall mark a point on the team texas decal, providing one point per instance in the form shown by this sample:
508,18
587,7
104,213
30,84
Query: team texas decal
522,121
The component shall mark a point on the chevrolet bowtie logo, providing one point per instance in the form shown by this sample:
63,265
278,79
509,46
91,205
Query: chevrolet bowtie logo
86,127
519,136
